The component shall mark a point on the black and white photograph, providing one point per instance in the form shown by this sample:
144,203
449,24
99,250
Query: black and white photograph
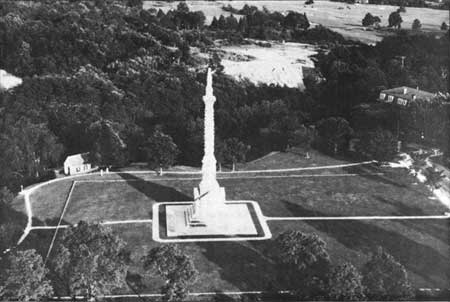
224,150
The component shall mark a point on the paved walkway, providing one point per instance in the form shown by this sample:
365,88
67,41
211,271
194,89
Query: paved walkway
446,216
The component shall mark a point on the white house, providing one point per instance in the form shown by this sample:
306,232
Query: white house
77,163
8,81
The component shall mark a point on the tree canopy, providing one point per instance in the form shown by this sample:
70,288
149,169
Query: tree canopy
88,260
378,144
175,267
395,20
232,151
334,133
385,278
26,278
345,284
304,261
416,25
370,20
160,150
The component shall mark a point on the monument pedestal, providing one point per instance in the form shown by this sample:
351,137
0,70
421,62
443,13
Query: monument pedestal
209,200
237,221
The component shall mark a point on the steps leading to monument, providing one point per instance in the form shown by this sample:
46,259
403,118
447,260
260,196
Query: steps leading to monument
190,220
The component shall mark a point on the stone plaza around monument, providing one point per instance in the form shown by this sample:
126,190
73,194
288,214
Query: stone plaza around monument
210,217
240,220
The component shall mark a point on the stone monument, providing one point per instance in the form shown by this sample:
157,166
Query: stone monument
210,217
209,197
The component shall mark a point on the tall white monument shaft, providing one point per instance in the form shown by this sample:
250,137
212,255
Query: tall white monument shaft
209,160
209,196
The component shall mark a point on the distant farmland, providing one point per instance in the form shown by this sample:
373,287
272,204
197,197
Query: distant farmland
341,17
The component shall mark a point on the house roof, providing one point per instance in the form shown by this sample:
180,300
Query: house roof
409,93
77,159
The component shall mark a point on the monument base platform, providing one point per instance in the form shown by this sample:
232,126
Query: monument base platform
238,220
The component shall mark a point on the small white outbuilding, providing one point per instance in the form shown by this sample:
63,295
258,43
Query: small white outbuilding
77,163
8,81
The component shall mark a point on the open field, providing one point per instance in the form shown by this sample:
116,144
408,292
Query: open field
322,193
341,17
421,245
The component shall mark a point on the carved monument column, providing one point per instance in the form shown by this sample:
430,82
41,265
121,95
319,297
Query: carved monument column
209,196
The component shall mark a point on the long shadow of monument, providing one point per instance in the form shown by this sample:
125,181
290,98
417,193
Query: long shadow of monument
157,192
365,237
240,264
436,228
154,191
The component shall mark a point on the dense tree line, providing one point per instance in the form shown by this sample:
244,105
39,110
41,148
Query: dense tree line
104,76
265,25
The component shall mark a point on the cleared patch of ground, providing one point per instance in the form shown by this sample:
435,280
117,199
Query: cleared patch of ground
280,64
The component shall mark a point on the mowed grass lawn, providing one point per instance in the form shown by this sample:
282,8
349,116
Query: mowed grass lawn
421,245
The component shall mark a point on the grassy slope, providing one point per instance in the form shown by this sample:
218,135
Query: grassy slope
423,246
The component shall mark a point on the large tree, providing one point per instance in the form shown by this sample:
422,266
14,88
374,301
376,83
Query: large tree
416,25
88,260
378,144
395,20
160,150
27,150
370,20
108,147
385,278
232,151
303,138
295,20
175,267
303,262
26,278
345,284
334,133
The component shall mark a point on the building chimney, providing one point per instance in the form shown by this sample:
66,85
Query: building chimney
405,90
